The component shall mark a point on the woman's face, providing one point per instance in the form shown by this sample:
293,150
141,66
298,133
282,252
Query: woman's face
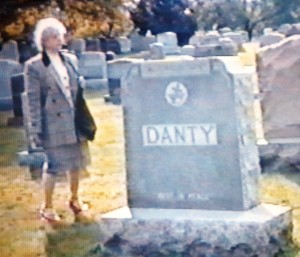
53,42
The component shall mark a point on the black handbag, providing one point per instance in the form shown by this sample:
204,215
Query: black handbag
84,121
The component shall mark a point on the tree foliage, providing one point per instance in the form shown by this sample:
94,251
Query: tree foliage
85,18
244,14
160,16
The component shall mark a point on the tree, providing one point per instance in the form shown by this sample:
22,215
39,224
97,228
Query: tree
160,16
85,18
248,15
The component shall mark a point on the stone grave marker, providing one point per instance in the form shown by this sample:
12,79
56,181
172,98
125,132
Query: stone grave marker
169,42
92,66
141,43
196,38
211,37
237,37
77,46
278,76
192,164
188,50
125,44
26,51
278,72
17,88
10,51
285,29
271,38
8,68
184,132
223,47
294,30
92,44
110,44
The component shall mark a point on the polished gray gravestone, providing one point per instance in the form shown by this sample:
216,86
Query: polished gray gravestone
10,51
192,164
189,142
8,68
92,66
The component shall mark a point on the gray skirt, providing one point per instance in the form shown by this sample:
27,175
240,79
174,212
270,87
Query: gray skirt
71,157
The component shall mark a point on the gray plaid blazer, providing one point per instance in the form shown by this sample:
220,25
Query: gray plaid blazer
50,121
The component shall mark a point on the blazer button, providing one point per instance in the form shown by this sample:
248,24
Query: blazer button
53,100
58,114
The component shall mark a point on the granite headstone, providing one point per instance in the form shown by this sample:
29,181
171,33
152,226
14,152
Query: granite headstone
189,138
8,68
10,51
92,66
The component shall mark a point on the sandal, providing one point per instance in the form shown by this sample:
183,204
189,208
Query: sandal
49,215
78,207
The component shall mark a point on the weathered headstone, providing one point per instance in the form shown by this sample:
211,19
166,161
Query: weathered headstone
141,43
211,37
179,147
196,38
116,70
225,30
17,88
223,47
157,51
26,51
110,44
169,42
237,37
188,50
278,75
294,30
8,68
285,29
125,44
190,146
92,44
278,69
271,38
10,51
77,46
92,66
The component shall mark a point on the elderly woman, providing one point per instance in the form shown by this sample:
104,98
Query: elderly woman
51,86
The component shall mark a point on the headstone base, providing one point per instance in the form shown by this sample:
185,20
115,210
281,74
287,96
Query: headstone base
262,231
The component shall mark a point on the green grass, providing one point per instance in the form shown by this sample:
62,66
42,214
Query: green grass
12,140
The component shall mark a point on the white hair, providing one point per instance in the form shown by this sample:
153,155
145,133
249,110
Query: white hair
44,25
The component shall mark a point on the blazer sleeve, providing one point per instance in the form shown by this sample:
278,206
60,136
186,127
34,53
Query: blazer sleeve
33,91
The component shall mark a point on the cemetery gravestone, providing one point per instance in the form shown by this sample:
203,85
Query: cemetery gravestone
196,38
278,69
10,51
188,50
236,37
278,75
188,145
77,46
141,43
26,51
17,88
125,44
169,42
92,44
224,47
92,66
270,38
110,44
295,30
8,68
